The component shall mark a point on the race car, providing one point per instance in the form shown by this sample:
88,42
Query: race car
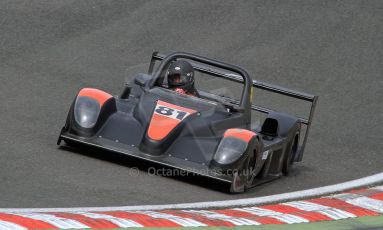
203,133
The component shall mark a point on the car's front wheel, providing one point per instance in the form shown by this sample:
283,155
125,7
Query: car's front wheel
250,170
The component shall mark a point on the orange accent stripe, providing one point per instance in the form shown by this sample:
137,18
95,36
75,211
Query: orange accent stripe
243,134
96,94
160,126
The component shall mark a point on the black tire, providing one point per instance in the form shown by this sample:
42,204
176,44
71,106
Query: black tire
290,156
250,168
247,174
251,164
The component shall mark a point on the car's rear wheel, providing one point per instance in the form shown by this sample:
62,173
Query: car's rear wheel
290,156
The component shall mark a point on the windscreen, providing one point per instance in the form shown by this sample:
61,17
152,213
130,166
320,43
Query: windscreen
211,83
218,86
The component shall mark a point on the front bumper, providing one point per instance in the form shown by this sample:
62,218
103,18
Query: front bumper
163,160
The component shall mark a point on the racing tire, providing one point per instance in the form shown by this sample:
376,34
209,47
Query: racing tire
290,156
251,165
249,170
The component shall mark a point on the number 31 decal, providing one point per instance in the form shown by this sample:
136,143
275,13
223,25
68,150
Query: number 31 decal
171,112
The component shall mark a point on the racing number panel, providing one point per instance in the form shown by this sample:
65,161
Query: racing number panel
165,118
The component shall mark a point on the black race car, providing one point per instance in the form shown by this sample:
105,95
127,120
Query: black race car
205,134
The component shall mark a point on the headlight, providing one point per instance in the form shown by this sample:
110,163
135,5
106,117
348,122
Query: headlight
86,111
230,150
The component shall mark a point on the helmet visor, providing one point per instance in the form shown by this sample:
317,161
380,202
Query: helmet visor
177,79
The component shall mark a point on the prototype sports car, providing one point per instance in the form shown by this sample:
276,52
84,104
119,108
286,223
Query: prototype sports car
202,133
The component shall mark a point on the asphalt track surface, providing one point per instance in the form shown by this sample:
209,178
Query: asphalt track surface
51,49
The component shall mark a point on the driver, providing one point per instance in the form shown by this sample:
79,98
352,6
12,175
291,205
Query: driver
181,78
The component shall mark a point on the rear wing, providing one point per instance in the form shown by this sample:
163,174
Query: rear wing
312,99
